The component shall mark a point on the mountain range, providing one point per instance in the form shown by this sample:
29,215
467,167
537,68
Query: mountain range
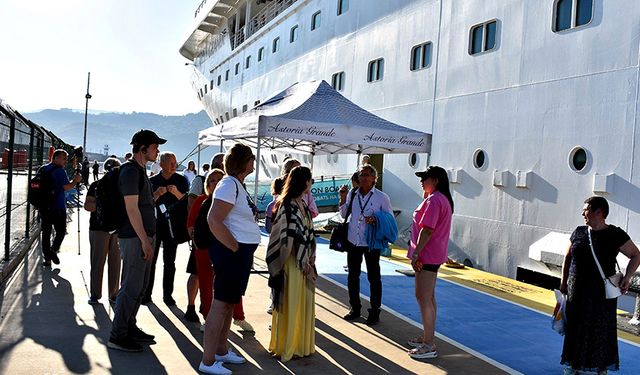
115,129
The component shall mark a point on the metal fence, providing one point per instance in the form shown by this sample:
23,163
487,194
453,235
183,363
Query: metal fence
24,147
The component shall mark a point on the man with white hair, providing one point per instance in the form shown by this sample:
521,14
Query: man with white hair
168,188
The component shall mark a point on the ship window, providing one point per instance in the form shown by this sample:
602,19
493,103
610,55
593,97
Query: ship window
247,63
483,37
421,56
578,158
256,103
221,119
413,160
343,6
244,108
572,13
260,53
200,93
293,34
226,115
211,85
337,81
219,80
479,158
235,112
276,45
226,75
376,70
315,20
205,89
274,159
237,68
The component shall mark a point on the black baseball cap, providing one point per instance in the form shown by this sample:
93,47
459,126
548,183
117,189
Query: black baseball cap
145,137
431,171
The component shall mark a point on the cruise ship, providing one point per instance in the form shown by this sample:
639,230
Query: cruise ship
532,105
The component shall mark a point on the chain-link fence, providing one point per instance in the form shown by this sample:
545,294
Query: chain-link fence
24,147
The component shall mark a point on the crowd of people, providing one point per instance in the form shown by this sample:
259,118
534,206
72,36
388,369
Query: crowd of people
133,216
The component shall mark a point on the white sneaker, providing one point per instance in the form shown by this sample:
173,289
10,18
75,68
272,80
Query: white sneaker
216,368
230,357
244,325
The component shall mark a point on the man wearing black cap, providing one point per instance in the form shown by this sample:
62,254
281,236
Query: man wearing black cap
137,239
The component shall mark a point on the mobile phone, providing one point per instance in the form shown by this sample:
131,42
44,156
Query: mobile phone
162,208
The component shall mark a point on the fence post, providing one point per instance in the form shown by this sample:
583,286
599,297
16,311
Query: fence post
7,229
33,133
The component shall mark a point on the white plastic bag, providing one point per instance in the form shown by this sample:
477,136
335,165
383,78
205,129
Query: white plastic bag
559,319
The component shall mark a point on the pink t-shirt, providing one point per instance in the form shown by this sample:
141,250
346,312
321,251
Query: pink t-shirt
433,213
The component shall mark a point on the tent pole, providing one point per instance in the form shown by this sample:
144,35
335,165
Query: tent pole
199,166
255,191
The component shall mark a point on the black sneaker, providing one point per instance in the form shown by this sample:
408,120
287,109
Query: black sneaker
126,344
146,301
169,301
139,335
352,315
54,258
93,300
190,315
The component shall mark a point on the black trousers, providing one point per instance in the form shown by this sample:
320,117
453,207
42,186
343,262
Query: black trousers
169,272
354,262
52,219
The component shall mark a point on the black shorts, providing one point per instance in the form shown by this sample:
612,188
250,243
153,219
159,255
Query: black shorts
231,270
191,264
430,267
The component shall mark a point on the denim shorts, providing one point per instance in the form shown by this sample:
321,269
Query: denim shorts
231,269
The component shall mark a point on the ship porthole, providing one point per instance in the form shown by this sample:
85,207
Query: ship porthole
578,158
413,160
479,158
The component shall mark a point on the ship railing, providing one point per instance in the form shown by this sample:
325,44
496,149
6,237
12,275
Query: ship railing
202,3
212,44
269,12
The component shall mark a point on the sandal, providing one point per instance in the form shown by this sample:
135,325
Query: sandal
424,351
415,342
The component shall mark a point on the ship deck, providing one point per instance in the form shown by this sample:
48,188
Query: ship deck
487,324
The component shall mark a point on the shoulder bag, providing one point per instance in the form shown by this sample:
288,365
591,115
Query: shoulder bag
338,240
611,283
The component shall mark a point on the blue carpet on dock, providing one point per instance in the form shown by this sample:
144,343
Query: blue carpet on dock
515,336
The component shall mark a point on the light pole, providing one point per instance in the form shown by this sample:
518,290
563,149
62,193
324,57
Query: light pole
86,109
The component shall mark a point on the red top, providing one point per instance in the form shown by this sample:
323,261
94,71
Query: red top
195,209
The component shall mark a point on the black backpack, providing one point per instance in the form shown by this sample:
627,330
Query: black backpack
41,189
202,236
110,209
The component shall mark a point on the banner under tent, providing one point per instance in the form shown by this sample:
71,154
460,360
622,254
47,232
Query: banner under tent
313,118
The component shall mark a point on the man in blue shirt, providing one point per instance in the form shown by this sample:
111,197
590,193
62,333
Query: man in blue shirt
55,215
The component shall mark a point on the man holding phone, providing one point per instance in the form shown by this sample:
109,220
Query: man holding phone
136,237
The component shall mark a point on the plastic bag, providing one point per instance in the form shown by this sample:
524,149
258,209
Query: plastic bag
559,319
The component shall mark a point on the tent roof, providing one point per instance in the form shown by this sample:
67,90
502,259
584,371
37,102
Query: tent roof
312,117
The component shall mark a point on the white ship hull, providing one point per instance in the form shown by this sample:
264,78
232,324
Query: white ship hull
528,104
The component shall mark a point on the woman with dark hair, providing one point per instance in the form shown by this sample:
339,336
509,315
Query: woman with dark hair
428,250
191,172
591,338
307,197
291,260
236,236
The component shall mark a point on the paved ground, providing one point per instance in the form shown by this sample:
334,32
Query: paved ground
47,327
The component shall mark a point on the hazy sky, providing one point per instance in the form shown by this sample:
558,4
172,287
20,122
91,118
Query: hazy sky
129,46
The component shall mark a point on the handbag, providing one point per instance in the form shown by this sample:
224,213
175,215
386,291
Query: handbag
339,234
611,283
176,216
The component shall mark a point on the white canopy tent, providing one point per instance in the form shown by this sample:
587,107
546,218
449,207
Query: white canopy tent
313,118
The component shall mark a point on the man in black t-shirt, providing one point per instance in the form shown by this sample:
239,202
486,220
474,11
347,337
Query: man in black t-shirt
169,189
136,239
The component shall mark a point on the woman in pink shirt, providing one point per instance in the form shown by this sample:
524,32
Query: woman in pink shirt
428,250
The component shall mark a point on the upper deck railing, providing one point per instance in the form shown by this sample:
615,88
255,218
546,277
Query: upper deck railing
269,12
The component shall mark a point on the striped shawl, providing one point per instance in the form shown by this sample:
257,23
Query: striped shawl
291,235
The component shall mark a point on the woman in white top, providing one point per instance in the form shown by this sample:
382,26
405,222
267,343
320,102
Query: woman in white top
190,173
236,237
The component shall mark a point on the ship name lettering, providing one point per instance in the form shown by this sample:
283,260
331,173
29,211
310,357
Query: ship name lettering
284,129
379,138
322,133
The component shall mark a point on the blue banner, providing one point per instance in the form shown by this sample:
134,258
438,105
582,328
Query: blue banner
325,193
